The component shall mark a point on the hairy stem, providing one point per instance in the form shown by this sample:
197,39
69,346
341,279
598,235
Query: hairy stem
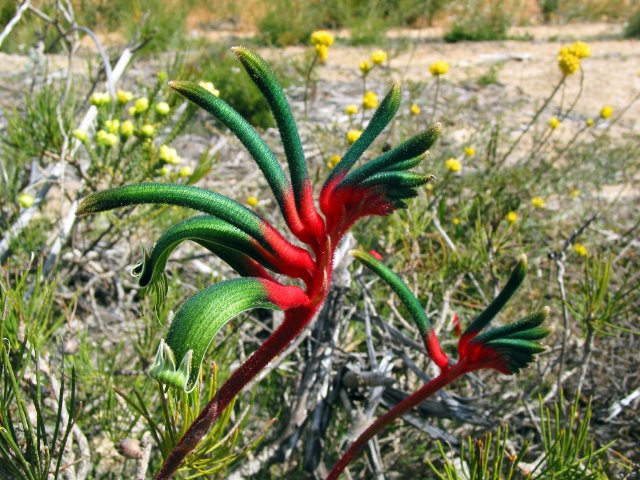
294,322
438,383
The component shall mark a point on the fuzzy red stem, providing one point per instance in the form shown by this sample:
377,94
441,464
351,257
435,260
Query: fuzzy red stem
417,397
294,322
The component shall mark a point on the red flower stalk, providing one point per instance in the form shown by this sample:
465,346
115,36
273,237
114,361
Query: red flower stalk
506,349
253,247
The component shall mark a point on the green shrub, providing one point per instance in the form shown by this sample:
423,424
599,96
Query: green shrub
633,26
479,24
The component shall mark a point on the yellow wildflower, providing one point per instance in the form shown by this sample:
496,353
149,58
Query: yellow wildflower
185,172
163,172
126,128
589,122
322,37
132,111
469,151
323,52
414,109
80,135
99,98
370,101
25,200
252,201
112,126
378,57
580,249
168,155
147,130
537,202
333,161
568,62
574,192
353,135
124,96
606,112
580,49
141,105
163,108
511,217
554,122
209,87
439,67
365,67
351,109
453,165
107,139
456,221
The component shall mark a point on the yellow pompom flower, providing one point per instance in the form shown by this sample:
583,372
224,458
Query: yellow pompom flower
453,165
414,109
147,130
351,109
370,101
141,105
168,155
323,52
606,112
112,126
322,37
99,98
25,200
208,86
185,172
80,135
439,67
107,139
511,217
132,111
574,192
333,161
127,128
580,249
353,135
123,96
378,57
554,122
580,49
537,202
163,108
163,172
456,221
568,62
252,201
469,151
365,67
589,122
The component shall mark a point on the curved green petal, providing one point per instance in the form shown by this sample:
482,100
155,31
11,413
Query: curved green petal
265,80
252,141
381,118
177,362
516,329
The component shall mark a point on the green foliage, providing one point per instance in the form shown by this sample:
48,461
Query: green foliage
567,451
490,77
480,22
632,30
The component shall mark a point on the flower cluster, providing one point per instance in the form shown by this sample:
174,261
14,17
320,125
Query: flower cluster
322,40
438,68
370,100
569,57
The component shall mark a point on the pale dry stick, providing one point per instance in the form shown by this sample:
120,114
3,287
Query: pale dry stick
12,23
